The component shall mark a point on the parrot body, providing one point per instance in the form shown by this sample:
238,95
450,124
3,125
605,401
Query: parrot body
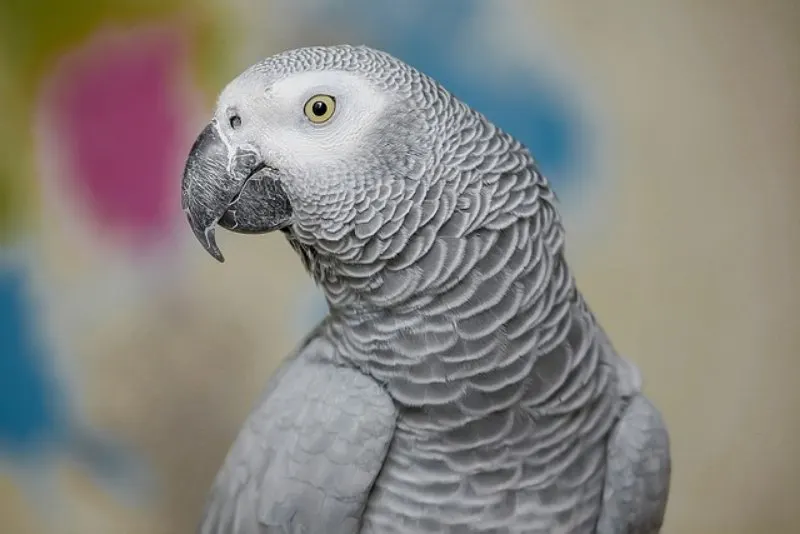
460,383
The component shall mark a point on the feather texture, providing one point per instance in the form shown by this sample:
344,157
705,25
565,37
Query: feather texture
307,456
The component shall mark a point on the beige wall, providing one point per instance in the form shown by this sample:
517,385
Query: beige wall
697,281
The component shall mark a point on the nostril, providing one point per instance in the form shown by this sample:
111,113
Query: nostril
235,121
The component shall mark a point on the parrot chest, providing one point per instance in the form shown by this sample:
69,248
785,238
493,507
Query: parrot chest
538,483
500,428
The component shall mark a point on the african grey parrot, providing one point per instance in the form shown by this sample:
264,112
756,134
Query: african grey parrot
460,382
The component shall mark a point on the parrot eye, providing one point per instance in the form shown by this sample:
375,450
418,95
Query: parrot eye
235,121
320,108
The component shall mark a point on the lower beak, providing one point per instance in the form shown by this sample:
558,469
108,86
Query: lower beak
238,191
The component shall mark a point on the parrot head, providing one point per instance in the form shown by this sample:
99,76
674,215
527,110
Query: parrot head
327,144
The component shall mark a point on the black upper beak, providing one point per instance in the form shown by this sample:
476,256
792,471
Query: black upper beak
238,191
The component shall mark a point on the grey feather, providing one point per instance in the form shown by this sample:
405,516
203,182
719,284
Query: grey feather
455,320
307,456
638,465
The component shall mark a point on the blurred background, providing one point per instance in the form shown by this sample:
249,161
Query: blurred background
129,358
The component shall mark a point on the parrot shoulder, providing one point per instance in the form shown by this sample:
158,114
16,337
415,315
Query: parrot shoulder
638,467
309,453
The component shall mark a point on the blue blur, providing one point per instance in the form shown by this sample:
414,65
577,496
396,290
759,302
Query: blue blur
29,415
529,105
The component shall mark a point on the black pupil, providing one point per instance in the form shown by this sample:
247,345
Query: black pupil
319,108
235,121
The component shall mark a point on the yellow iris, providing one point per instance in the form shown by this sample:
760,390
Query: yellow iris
320,108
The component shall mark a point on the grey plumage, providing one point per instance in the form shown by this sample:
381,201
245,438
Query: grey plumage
333,427
460,383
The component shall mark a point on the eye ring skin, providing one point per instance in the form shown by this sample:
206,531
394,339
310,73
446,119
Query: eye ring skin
320,108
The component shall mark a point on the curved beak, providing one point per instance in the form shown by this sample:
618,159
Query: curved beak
230,186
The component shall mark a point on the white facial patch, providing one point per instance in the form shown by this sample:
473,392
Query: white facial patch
273,116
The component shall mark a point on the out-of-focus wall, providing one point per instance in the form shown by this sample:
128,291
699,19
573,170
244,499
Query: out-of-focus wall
129,358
